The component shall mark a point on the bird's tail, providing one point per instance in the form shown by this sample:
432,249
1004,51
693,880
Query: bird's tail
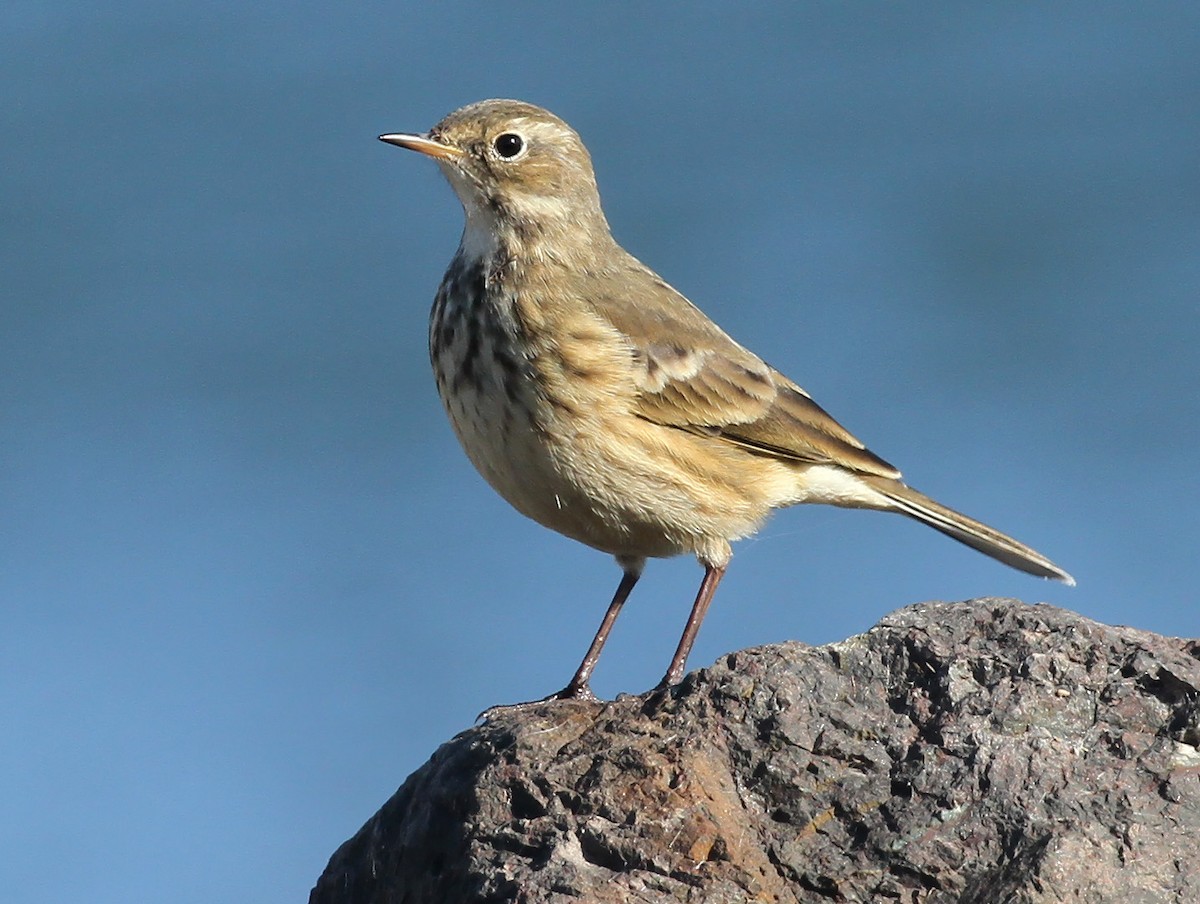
966,530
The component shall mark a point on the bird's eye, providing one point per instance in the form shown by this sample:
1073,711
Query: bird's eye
509,145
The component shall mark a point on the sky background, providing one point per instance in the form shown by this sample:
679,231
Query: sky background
249,582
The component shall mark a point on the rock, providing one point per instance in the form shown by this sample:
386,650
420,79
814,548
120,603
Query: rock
987,751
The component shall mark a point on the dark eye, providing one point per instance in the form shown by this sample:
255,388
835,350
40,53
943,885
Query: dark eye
509,145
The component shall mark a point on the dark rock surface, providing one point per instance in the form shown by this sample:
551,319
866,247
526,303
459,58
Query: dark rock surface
986,751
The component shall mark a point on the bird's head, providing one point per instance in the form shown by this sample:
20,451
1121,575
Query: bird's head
516,168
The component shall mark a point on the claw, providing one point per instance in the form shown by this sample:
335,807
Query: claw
582,693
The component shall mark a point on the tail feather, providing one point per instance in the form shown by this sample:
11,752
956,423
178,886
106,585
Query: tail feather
966,530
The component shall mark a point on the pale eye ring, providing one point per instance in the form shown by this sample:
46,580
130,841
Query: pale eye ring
509,145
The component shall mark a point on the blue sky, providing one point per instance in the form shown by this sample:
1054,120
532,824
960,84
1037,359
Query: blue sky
249,582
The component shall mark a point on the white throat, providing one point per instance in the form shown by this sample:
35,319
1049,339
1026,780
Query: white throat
479,241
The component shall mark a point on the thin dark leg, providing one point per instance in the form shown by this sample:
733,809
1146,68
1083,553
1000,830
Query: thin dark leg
579,687
712,577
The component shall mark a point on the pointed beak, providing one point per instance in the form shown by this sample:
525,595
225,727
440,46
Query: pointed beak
424,144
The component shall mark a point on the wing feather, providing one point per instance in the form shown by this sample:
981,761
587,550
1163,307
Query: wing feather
689,374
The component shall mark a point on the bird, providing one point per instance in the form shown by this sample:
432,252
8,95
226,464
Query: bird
600,402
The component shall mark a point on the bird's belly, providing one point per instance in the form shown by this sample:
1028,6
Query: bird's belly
597,478
501,441
545,480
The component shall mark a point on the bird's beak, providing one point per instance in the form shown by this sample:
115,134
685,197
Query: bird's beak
424,144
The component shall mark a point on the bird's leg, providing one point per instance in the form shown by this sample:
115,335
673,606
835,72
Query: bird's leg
579,687
712,577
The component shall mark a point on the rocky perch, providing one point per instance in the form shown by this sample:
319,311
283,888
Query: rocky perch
987,751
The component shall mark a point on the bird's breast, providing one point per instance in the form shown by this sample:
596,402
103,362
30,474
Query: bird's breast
536,390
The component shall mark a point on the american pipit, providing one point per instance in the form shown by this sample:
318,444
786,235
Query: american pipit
600,402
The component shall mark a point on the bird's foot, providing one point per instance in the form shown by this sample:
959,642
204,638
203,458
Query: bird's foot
669,681
581,693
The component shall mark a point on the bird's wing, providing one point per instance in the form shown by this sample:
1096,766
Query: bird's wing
689,374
